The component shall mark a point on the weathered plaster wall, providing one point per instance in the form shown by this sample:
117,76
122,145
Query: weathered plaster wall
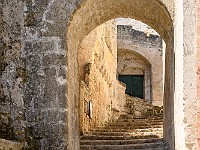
185,100
189,74
178,95
198,72
97,68
150,47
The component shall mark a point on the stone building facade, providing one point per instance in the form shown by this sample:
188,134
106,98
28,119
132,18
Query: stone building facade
97,69
142,54
39,83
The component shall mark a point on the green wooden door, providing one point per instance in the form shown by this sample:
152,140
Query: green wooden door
134,84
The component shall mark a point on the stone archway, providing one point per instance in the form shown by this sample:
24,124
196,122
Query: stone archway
133,63
152,48
38,31
92,13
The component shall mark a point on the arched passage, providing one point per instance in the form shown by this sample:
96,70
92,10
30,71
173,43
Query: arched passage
92,13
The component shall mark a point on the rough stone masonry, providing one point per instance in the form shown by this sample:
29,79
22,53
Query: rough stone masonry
39,43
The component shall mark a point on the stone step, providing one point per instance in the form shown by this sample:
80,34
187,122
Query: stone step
140,119
146,146
131,118
128,130
126,133
135,123
130,127
107,137
120,142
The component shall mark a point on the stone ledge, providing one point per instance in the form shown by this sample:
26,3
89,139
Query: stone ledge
10,145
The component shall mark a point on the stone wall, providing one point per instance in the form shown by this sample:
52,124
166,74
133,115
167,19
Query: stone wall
37,88
198,73
97,71
12,71
118,108
151,48
45,58
140,108
189,74
33,73
44,26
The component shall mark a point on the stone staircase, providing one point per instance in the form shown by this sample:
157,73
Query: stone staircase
126,133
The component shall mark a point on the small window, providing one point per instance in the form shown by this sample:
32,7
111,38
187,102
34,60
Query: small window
90,109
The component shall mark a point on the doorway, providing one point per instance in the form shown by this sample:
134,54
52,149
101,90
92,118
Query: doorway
134,85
